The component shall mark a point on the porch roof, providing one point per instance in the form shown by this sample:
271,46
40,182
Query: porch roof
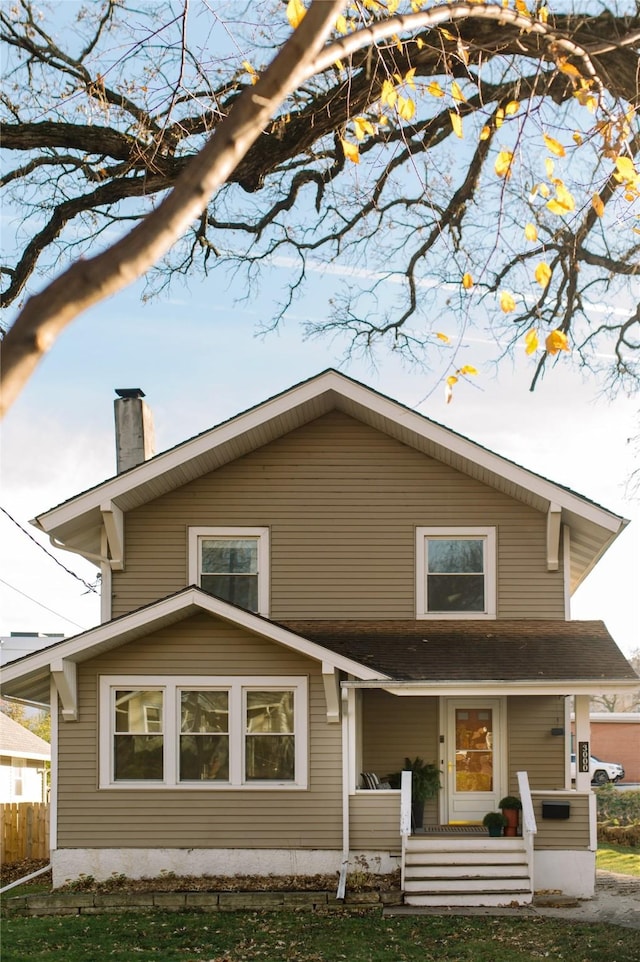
540,652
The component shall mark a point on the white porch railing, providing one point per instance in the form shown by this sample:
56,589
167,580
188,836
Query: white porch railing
405,817
529,826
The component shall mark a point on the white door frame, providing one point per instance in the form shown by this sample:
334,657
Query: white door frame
447,744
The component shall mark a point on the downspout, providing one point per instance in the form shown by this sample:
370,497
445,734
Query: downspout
346,779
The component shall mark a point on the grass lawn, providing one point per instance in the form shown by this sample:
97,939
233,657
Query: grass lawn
617,858
305,937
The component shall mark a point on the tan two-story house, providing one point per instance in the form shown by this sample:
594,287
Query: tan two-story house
294,602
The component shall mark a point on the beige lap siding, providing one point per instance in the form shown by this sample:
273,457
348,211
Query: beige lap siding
342,502
563,834
532,747
150,818
374,821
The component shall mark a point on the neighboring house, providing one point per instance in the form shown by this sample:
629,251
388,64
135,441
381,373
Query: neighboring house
313,590
21,643
24,763
615,737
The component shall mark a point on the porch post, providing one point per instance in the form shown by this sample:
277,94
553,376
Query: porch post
583,736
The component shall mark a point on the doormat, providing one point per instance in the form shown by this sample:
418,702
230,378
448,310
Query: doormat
454,830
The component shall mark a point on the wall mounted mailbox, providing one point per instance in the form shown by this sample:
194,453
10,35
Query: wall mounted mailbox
556,809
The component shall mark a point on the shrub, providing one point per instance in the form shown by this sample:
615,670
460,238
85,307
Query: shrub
623,807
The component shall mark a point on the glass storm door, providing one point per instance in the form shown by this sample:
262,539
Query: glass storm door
474,759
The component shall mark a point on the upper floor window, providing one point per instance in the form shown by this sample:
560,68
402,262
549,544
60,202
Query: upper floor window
455,570
232,564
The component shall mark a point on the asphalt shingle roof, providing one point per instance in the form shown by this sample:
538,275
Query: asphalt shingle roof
475,650
17,740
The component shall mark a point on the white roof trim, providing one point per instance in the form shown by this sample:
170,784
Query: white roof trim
176,608
340,385
487,687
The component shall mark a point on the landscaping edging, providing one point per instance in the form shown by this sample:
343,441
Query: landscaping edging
101,903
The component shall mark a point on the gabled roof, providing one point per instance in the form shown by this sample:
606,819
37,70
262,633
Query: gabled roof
77,523
29,678
18,741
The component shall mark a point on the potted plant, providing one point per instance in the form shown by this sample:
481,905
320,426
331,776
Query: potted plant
494,822
510,806
425,783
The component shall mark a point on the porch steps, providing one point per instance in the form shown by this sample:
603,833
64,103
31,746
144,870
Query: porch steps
466,871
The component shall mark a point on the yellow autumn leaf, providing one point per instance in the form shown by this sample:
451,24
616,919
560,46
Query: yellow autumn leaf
435,89
577,138
296,11
531,341
553,145
448,390
544,190
351,151
392,6
543,274
249,69
556,341
388,94
512,108
468,369
442,337
485,133
507,302
447,35
503,163
521,6
362,127
563,202
406,108
625,168
341,24
549,166
531,232
457,94
598,206
456,123
543,14
419,43
408,78
567,68
499,118
467,281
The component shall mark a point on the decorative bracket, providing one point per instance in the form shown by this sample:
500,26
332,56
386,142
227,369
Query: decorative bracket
331,692
65,678
113,519
554,518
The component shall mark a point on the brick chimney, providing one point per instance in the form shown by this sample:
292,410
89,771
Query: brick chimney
135,441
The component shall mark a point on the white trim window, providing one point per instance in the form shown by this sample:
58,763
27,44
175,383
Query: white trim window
232,564
192,732
456,572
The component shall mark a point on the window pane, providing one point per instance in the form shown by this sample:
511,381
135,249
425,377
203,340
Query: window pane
269,711
455,593
204,711
241,590
138,712
138,756
449,555
270,757
230,556
204,758
270,742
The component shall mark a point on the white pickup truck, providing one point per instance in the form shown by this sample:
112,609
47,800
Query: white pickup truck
601,772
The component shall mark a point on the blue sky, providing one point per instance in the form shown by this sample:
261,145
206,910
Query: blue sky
196,355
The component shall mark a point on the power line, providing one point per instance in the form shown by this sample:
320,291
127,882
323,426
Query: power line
50,610
91,587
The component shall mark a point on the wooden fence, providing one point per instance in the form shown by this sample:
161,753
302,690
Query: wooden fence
24,831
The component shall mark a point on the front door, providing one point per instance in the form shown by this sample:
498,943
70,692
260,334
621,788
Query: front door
474,758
